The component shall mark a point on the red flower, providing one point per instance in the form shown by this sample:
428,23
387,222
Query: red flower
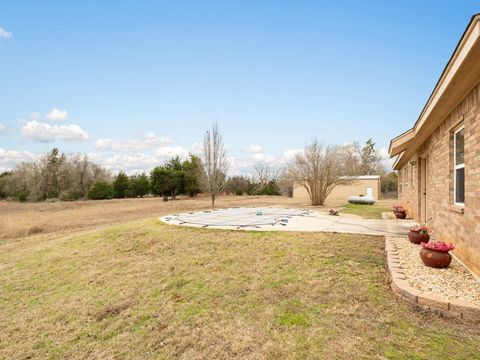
439,246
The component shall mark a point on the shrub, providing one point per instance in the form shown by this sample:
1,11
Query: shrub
100,190
270,188
22,196
70,195
237,185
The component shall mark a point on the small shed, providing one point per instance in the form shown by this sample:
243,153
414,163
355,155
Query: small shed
366,185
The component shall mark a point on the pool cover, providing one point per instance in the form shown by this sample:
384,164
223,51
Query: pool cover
239,217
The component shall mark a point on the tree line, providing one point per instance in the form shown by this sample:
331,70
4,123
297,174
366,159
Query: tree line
318,168
56,175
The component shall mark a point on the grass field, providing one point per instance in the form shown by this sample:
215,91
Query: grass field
369,211
19,220
141,289
147,290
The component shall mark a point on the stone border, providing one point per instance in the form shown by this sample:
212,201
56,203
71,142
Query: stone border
422,299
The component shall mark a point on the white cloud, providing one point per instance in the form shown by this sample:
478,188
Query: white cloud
2,127
386,160
267,158
150,141
139,162
5,34
196,148
10,158
56,115
167,152
131,163
245,165
42,132
290,154
254,149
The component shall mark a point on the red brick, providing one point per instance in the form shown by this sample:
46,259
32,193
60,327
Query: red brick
449,225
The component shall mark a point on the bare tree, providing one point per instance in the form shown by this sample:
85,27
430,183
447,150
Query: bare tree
54,175
215,163
265,175
319,169
362,160
285,183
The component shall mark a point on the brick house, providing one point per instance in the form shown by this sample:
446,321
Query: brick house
438,159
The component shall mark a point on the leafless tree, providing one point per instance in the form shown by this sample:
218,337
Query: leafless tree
285,183
319,169
54,175
362,160
215,163
265,174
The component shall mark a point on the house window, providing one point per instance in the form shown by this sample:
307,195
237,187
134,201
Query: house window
459,166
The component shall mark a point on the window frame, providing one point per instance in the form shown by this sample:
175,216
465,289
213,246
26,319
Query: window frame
457,167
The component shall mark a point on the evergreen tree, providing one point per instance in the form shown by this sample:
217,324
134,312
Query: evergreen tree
120,185
3,184
101,190
160,181
139,185
192,170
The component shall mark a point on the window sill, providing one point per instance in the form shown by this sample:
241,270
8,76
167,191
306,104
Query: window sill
456,208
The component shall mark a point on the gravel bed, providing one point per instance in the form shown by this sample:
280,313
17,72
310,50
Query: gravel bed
454,282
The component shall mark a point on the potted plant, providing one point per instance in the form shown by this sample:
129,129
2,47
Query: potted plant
399,212
436,255
418,234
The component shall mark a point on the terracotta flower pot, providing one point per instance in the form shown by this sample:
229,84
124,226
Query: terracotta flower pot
417,237
400,214
435,259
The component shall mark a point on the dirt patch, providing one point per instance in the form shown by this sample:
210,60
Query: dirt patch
35,230
113,310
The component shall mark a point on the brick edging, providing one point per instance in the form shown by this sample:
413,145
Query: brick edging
422,299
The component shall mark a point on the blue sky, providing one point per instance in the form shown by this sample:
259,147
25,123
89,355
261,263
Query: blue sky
134,82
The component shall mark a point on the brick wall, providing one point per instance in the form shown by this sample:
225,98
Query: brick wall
409,179
450,223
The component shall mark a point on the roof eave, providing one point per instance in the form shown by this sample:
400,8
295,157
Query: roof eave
398,163
443,93
400,143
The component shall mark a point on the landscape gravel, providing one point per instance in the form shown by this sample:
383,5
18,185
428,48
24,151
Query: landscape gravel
454,282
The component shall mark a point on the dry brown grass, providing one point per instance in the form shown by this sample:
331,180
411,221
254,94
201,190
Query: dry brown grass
19,220
146,290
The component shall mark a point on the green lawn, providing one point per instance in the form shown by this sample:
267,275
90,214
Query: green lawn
147,290
367,211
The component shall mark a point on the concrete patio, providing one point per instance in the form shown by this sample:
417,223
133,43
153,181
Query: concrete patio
310,221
